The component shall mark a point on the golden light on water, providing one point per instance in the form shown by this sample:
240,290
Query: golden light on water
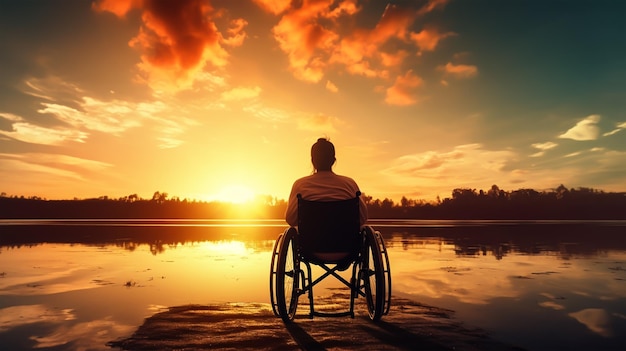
224,248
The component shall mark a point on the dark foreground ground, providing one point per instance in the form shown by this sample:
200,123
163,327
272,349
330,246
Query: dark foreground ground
409,326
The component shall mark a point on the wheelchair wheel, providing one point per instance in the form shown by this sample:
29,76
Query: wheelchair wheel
372,273
287,277
273,269
386,271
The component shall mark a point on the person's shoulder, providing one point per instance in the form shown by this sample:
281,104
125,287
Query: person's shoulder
346,178
305,178
302,180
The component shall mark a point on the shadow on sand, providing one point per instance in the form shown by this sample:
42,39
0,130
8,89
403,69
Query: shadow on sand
408,326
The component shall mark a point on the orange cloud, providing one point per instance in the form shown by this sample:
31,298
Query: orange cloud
428,39
311,37
177,38
274,6
393,24
118,7
319,34
401,93
330,86
460,71
27,132
432,5
305,40
393,59
236,32
360,51
320,123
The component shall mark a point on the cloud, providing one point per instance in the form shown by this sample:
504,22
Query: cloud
394,23
432,5
319,35
177,38
236,32
543,147
438,172
267,114
586,129
47,166
58,160
361,50
619,127
428,39
393,59
596,319
433,173
305,40
241,93
95,115
459,71
82,336
71,116
51,88
15,316
320,123
468,161
31,133
401,93
275,7
330,86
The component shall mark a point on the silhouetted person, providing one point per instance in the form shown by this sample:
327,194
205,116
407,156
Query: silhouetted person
323,184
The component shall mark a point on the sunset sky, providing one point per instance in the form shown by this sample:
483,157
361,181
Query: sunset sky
222,99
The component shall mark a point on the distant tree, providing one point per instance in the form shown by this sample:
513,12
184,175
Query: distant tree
561,192
367,199
462,194
159,197
495,192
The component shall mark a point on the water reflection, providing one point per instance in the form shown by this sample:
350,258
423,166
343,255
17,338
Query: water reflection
159,235
551,286
74,285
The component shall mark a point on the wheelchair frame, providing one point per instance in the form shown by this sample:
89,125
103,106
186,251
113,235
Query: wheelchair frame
371,273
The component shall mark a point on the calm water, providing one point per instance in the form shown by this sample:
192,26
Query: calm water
75,285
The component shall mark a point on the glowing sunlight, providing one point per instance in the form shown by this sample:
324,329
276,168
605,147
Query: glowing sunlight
236,194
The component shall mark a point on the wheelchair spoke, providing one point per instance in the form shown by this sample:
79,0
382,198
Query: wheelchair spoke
287,278
373,276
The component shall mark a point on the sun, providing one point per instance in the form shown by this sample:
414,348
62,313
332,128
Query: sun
236,194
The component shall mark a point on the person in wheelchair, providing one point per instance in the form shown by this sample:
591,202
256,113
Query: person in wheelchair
327,218
324,185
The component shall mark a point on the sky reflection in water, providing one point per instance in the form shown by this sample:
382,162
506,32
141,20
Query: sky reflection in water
537,286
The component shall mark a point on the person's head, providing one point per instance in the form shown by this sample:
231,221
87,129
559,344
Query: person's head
323,155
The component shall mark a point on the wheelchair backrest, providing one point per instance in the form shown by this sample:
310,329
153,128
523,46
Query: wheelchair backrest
329,226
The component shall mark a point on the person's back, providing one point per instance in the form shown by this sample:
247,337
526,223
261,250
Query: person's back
323,184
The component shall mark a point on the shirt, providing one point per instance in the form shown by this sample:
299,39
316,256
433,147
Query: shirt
323,186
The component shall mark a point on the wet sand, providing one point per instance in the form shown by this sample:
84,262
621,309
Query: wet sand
237,326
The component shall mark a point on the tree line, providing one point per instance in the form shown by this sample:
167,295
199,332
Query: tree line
465,203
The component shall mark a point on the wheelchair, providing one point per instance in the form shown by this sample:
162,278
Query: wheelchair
329,235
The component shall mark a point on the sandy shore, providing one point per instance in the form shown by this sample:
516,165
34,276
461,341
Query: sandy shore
237,326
